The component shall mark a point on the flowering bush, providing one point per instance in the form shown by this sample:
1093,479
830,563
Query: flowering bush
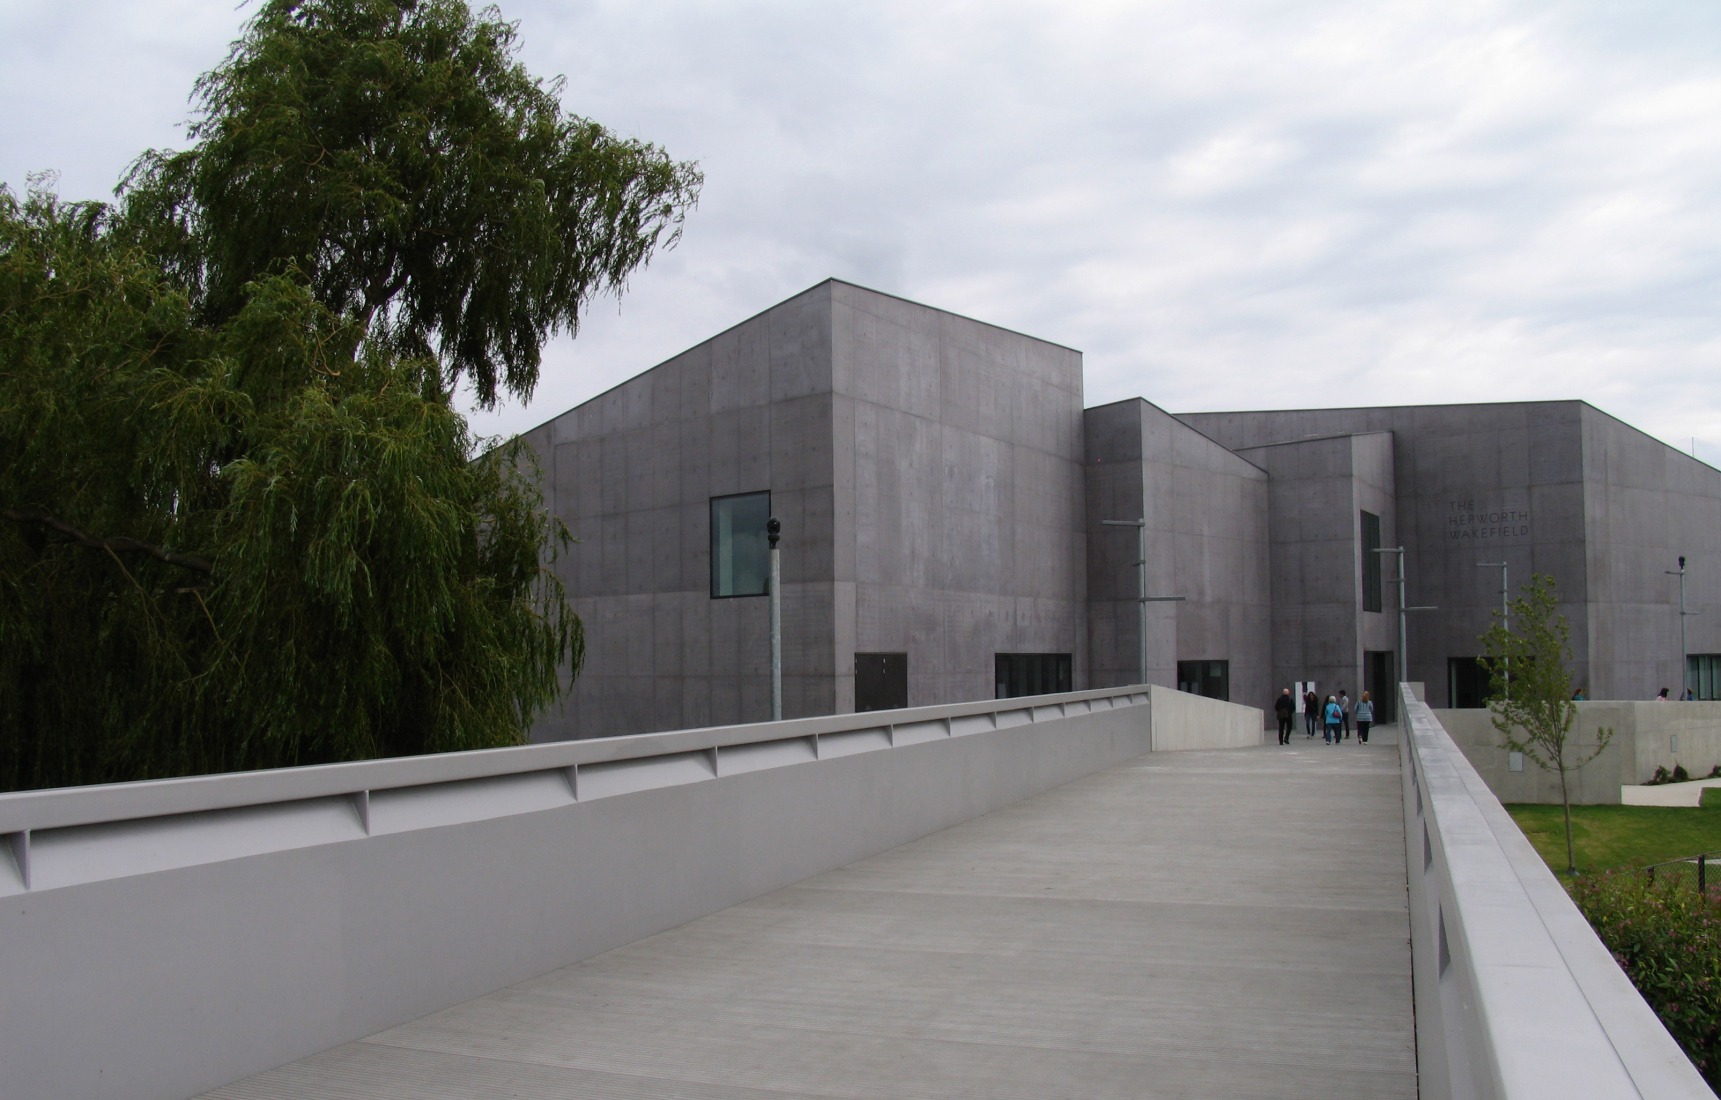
1667,938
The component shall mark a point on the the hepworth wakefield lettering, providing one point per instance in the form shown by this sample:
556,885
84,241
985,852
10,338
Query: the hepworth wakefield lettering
1473,519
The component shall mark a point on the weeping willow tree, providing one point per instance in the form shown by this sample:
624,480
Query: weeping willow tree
241,524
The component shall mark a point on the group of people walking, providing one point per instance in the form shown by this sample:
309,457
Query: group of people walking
1334,716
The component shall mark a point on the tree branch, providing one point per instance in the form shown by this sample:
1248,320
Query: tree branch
113,545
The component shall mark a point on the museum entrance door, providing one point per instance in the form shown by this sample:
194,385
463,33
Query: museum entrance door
1377,680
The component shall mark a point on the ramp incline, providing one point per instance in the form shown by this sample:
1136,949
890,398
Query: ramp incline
1187,924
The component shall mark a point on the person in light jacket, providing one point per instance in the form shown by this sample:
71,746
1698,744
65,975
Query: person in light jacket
1364,718
1345,709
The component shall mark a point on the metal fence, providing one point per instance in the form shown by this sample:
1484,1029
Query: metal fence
1701,873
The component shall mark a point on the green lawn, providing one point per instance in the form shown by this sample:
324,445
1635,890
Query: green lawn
1608,837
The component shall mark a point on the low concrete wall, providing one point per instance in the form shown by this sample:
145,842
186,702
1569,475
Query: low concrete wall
1184,721
160,939
1645,736
1515,996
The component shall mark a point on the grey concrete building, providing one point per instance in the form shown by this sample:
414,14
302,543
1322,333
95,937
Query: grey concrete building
1555,487
942,492
926,468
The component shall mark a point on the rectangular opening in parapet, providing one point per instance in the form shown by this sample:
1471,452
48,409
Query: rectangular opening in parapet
1445,954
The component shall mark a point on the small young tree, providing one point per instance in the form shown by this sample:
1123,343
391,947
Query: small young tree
1532,703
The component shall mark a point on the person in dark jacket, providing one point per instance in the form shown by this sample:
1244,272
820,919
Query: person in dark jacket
1311,712
1286,709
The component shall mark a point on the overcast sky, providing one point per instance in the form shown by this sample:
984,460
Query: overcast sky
1222,205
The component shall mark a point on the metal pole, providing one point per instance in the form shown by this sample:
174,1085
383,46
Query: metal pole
1684,649
1403,646
1684,657
1140,526
1141,603
774,531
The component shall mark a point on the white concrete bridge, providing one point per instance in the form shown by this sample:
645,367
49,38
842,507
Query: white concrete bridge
1026,898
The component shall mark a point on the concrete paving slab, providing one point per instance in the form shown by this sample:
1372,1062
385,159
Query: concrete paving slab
1197,924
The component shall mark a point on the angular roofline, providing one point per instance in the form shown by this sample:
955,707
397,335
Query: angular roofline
1186,426
828,281
1583,405
946,312
1375,408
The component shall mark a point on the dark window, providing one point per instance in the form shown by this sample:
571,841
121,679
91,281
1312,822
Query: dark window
1209,678
1466,683
740,558
1703,674
1019,674
1370,562
881,681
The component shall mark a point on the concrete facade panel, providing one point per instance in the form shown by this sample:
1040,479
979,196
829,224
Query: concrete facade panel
942,492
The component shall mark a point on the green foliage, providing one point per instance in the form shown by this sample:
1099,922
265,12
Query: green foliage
419,179
1531,704
240,524
1667,938
247,545
1607,838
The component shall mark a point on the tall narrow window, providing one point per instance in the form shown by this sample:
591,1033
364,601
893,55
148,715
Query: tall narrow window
740,556
1370,562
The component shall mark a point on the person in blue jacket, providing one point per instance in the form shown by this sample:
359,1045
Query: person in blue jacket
1333,720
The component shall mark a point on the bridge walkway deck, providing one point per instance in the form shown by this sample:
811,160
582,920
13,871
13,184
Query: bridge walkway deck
1203,924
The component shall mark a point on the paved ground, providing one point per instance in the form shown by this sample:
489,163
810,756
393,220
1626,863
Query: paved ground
1217,924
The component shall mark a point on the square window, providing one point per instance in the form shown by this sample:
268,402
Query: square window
740,554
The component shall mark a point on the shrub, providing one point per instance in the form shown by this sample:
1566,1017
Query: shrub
1680,775
1659,777
1715,772
1667,938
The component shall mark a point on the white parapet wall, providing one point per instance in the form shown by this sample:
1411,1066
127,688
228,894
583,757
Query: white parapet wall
1184,721
1516,998
1646,735
160,939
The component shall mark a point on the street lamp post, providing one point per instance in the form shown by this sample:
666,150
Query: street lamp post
773,532
1505,620
1142,599
1403,646
1684,656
